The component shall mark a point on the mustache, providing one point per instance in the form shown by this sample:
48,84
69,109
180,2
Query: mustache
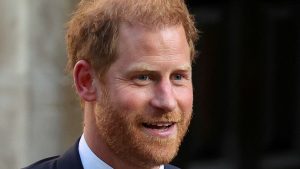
170,117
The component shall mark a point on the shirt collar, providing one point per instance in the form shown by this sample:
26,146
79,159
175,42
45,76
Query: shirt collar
90,160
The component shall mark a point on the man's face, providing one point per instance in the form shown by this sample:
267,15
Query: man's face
145,108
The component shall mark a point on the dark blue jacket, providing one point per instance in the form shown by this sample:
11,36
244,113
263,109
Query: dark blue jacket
69,160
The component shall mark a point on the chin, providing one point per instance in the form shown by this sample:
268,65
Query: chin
158,151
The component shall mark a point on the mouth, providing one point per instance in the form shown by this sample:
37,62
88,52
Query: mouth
160,129
158,125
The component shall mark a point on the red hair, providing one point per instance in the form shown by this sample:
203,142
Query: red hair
93,30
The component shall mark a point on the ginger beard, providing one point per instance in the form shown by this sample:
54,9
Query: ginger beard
123,132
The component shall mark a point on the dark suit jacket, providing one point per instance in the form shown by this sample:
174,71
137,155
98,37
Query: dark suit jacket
69,160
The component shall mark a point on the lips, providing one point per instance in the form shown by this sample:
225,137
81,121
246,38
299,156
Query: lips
162,125
160,129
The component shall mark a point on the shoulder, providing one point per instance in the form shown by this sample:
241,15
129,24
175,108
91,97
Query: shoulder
169,166
47,163
70,159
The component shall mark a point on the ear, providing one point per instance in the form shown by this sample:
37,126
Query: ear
84,76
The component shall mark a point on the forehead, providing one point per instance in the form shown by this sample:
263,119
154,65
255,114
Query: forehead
140,39
142,48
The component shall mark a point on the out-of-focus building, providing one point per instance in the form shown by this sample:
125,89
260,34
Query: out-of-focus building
39,115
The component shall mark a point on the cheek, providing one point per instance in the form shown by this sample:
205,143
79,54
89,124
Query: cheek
130,100
185,99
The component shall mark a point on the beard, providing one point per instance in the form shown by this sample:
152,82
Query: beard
122,131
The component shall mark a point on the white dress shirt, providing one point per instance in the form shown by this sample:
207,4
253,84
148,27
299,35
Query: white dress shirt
89,160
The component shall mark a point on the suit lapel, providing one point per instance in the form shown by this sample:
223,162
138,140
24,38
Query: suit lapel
70,159
168,166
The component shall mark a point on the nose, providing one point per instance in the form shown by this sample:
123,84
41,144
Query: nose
164,97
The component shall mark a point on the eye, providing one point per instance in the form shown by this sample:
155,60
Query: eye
178,77
143,77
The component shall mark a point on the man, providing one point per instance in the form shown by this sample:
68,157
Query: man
131,65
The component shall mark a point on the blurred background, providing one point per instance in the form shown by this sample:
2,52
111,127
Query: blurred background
246,80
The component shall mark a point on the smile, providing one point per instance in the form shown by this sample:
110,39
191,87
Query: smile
158,125
160,129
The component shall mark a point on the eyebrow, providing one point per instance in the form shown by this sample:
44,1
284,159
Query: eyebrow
148,68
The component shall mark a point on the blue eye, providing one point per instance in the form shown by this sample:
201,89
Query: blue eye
178,77
142,80
143,77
